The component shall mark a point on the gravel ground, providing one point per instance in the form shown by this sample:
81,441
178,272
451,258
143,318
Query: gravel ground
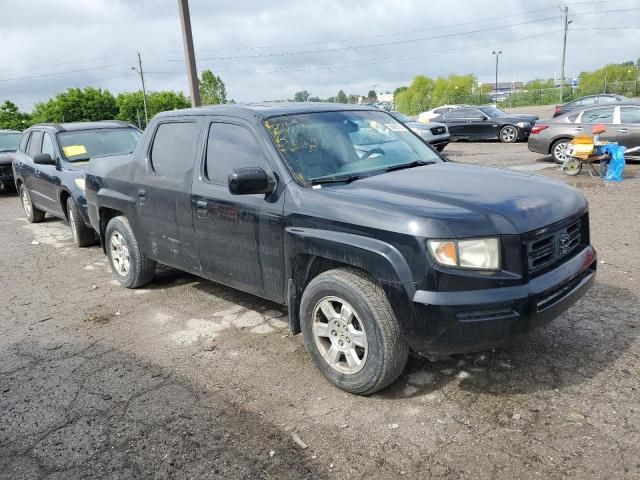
188,379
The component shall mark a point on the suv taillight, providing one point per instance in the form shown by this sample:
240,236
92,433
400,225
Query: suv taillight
538,128
557,108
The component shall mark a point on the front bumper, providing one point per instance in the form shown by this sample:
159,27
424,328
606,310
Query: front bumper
6,175
467,321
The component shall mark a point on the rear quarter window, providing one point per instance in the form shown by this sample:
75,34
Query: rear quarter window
630,115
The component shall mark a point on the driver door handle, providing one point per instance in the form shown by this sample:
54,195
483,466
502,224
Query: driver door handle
623,130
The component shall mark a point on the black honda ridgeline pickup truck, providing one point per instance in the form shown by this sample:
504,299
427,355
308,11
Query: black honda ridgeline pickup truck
376,244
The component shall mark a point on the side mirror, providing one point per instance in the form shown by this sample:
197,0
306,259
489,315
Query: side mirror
250,181
44,159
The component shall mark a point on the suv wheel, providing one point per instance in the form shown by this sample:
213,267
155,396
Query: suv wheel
351,332
83,236
34,215
129,265
559,150
508,134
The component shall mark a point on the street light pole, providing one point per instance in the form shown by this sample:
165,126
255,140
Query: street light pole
190,57
497,54
144,90
564,50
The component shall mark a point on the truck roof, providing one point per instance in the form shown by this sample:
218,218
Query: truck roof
265,109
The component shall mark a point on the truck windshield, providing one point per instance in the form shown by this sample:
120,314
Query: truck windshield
349,144
9,141
83,145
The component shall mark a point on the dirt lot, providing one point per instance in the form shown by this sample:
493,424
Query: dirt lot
188,379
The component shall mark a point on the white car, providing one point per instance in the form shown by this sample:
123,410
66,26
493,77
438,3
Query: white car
425,117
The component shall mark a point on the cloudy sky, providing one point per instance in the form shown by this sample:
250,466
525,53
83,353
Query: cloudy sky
267,50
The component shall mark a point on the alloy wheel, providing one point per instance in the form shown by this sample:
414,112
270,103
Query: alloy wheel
339,335
72,222
119,254
26,202
560,152
508,134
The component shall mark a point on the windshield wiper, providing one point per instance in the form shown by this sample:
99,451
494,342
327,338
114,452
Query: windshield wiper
416,163
344,179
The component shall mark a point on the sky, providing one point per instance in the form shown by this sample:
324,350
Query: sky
268,50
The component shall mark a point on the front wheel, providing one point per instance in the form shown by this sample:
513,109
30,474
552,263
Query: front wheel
351,332
34,215
131,267
508,134
83,236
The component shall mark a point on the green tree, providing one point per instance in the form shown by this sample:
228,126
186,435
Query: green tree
301,96
353,98
77,105
12,118
131,106
371,96
342,97
212,89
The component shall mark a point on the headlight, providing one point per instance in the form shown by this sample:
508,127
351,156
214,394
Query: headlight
522,124
79,183
477,254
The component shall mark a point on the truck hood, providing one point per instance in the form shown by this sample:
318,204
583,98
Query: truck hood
470,200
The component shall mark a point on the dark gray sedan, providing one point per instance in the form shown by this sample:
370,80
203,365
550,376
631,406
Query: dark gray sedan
436,134
621,120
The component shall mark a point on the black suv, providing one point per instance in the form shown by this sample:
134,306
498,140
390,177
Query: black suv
49,168
376,244
9,141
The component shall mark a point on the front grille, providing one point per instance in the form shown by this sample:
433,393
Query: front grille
438,130
551,247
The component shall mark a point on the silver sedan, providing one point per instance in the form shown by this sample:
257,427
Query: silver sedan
621,121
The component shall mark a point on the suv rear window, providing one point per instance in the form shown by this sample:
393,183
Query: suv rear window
83,145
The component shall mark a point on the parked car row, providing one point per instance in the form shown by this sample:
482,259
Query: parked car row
377,245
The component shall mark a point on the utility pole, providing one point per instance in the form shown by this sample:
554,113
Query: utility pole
144,90
497,54
190,58
564,50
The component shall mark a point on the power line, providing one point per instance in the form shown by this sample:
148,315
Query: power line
63,73
62,63
374,61
371,45
364,37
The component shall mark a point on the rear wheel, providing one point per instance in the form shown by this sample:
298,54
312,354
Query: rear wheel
34,215
559,150
83,236
508,134
131,267
351,332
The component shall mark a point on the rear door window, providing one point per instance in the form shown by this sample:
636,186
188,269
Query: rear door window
231,146
630,115
606,99
35,143
598,115
172,152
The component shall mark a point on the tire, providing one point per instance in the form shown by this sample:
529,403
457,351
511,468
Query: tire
33,214
129,265
373,324
508,134
83,236
559,149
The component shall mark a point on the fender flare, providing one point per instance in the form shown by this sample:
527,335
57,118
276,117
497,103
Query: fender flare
379,259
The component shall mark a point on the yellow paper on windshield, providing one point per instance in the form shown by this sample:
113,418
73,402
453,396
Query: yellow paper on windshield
74,150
